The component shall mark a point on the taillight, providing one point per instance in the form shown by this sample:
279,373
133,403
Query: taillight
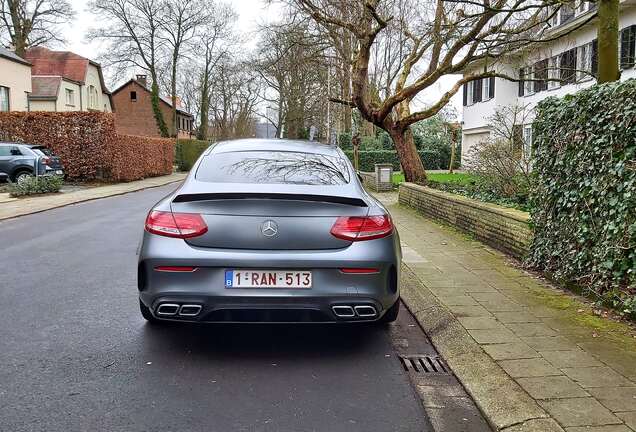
46,160
356,228
178,225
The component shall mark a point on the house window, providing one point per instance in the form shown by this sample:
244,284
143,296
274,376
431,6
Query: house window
541,76
582,7
585,62
70,97
567,66
133,96
4,98
553,73
566,13
528,80
92,97
628,47
527,140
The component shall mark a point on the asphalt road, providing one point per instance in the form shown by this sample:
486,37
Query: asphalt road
75,354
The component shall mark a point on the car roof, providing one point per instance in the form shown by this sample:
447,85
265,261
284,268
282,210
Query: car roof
255,144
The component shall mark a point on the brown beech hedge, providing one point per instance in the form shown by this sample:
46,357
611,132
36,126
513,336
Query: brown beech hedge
89,146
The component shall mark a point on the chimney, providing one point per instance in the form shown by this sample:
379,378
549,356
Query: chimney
143,80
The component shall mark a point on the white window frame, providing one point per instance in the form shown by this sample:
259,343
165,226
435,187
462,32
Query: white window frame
527,140
469,93
584,60
528,84
92,97
70,96
5,103
553,72
583,7
485,90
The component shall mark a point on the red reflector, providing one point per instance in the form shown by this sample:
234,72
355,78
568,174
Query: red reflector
360,270
175,269
356,228
177,225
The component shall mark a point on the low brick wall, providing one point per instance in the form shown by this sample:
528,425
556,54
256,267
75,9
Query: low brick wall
505,229
370,181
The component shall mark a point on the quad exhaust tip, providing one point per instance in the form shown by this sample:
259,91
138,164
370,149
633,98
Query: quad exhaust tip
167,309
173,309
189,310
360,311
365,311
343,311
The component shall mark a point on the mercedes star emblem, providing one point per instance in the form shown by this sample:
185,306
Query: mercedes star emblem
269,228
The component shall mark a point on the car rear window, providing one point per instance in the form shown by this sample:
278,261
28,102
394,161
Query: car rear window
43,150
273,168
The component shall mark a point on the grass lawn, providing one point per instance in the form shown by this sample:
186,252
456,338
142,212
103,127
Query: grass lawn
458,178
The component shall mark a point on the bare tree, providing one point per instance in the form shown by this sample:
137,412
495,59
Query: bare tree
134,41
180,20
434,38
30,23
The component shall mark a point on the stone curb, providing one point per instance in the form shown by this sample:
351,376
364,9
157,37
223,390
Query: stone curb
27,206
505,405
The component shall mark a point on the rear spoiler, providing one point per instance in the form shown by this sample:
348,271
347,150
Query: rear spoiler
357,202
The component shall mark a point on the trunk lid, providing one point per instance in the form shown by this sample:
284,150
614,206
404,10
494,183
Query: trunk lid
269,221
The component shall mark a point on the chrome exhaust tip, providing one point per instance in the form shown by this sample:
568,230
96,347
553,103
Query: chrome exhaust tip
167,309
366,311
189,310
343,311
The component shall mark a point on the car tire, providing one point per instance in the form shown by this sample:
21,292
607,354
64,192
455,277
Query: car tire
391,314
145,312
21,175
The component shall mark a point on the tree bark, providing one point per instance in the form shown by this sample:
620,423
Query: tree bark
173,88
407,152
608,11
156,108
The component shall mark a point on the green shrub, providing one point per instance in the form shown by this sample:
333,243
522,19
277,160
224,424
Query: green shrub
344,141
584,204
368,159
36,185
188,151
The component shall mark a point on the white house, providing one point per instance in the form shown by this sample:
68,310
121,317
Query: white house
64,81
15,81
565,59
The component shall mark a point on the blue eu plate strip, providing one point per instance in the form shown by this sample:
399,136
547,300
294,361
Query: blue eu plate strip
229,277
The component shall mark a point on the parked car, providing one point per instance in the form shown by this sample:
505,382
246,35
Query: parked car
270,231
18,161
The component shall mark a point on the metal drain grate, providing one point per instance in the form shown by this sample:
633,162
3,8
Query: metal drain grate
424,364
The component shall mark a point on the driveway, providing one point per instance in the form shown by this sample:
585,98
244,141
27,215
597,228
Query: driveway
76,354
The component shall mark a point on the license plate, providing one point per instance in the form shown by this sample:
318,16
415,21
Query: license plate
267,279
59,172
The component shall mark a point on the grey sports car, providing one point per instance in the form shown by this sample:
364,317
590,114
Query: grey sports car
270,231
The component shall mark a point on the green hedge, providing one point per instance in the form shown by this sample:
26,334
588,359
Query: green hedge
584,203
36,185
368,159
188,151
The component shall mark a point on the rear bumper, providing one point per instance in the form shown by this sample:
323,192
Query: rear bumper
205,286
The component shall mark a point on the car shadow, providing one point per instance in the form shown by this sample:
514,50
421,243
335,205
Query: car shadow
264,340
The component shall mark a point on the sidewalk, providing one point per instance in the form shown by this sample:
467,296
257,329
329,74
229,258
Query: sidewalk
533,357
10,207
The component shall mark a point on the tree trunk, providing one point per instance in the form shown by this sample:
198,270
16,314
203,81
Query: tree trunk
173,88
156,109
202,133
452,157
407,152
607,35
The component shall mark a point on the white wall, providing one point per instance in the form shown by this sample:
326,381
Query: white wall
475,117
43,105
92,79
78,105
17,77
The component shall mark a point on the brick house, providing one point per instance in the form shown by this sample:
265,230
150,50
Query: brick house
134,115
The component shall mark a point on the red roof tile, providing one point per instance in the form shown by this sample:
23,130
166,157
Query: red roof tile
61,63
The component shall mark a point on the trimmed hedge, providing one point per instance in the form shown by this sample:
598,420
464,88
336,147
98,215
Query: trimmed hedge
584,203
89,146
368,159
188,151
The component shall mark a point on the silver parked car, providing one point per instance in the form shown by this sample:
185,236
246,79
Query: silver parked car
270,231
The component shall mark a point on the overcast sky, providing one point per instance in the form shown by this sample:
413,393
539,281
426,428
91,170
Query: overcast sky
250,14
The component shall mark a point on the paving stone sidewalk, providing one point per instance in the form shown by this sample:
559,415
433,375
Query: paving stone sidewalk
10,207
533,357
